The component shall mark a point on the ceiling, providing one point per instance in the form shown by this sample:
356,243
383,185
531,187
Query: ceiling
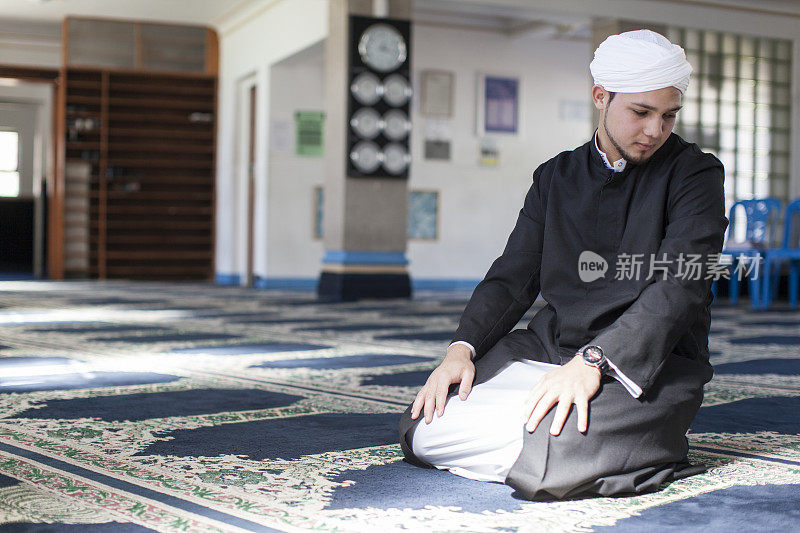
512,17
202,12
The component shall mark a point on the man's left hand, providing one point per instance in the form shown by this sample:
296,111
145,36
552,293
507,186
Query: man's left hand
574,383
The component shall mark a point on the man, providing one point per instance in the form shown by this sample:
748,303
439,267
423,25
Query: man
595,397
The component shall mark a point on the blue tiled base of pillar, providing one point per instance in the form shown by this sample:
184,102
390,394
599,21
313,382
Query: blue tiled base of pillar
310,284
296,284
227,279
444,284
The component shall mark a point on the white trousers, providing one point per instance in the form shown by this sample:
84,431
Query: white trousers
481,437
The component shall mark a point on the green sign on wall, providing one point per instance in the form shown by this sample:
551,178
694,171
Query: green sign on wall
309,126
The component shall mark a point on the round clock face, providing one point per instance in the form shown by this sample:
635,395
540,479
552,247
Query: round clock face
395,158
367,123
366,156
382,48
396,125
396,90
367,88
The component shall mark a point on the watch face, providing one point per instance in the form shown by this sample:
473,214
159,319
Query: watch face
395,158
593,354
367,88
367,123
366,156
396,90
396,125
382,47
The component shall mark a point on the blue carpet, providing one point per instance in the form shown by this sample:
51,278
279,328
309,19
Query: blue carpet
348,361
260,314
771,339
269,321
355,327
363,308
769,323
413,314
426,336
308,441
751,508
161,405
110,301
82,381
99,328
112,527
282,438
387,487
244,349
176,337
778,414
33,362
783,367
6,481
74,376
403,379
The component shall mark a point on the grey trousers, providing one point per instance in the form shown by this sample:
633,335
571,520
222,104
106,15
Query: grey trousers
631,446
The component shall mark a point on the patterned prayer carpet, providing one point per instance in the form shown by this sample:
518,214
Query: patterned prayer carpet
188,407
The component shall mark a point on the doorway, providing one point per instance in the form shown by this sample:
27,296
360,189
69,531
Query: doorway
245,180
25,156
251,184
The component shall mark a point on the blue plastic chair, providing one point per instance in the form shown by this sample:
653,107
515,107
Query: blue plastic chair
774,259
762,216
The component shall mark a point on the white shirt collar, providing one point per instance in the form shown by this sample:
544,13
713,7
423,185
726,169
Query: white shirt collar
616,166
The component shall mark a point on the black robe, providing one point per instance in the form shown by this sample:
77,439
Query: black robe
654,328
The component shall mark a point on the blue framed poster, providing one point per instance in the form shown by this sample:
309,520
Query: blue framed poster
500,106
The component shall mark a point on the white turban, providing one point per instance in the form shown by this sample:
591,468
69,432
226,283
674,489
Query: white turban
639,61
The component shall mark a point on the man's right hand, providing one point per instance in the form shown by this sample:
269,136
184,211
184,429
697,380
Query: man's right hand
457,367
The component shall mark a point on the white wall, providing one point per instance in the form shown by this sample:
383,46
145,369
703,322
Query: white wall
295,85
249,45
479,205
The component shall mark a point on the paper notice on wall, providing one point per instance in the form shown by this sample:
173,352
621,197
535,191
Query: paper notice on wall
438,137
280,136
309,126
490,153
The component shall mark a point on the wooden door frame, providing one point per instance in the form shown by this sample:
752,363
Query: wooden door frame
251,185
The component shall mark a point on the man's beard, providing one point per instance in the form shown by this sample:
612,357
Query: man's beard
626,155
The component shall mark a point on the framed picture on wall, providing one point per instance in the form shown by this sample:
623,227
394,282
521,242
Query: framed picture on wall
317,212
423,215
498,105
437,93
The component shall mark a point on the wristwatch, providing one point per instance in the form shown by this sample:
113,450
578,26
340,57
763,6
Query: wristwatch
593,356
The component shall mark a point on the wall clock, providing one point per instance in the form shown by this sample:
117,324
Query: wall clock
396,90
396,125
395,158
366,156
382,47
367,88
367,123
379,101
